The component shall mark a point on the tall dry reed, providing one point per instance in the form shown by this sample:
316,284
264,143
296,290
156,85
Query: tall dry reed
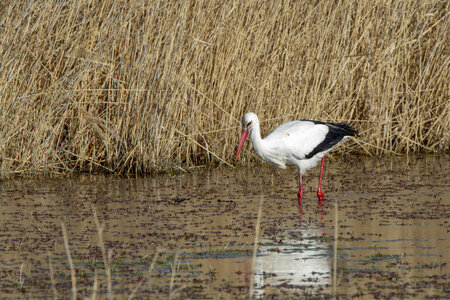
144,86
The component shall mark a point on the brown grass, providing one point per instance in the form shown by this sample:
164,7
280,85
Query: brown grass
145,86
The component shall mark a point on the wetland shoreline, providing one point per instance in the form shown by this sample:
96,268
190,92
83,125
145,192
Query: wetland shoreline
192,235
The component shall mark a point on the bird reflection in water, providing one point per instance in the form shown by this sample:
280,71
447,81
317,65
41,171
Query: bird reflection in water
301,259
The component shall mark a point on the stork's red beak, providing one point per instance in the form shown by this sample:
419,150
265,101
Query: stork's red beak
244,135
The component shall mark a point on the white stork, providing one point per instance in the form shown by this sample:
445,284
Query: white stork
302,143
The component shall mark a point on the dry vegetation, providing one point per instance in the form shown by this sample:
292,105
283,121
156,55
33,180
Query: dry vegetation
144,86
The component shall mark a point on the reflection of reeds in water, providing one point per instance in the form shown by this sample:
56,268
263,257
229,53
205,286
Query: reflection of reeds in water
172,277
147,277
336,224
255,247
106,259
110,86
69,258
52,276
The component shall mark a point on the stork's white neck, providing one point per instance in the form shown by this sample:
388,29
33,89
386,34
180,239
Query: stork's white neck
255,137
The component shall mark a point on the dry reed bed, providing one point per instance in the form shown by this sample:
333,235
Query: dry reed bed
144,86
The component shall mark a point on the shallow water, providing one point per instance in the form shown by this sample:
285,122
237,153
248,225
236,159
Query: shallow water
392,234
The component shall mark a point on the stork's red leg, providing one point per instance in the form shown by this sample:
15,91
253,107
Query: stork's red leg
300,208
319,190
300,188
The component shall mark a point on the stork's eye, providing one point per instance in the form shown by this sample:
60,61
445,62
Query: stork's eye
249,124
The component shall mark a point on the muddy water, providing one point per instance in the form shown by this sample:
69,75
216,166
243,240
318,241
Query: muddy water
192,235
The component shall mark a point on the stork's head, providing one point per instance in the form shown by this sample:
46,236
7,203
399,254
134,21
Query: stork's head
248,121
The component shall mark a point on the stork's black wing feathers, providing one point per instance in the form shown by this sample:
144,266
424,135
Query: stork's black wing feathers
337,131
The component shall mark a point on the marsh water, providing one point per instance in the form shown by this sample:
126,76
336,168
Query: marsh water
382,232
